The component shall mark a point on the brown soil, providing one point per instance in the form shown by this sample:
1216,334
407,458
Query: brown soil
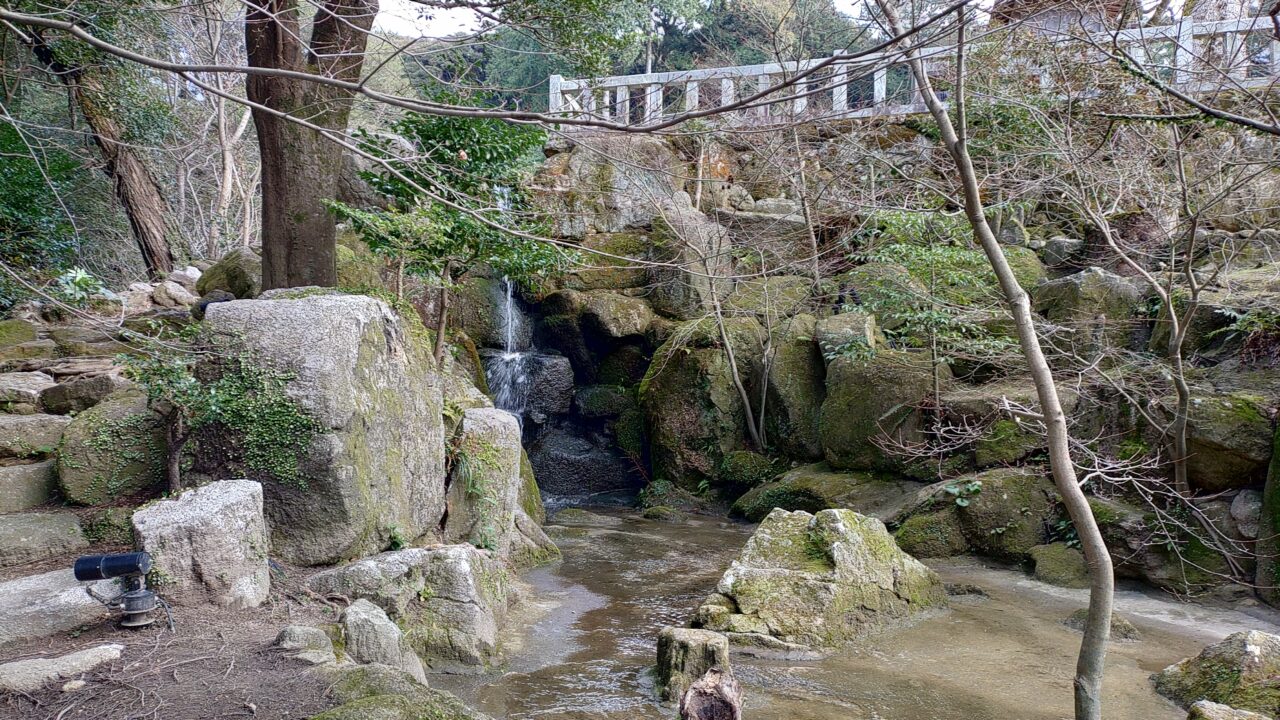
215,664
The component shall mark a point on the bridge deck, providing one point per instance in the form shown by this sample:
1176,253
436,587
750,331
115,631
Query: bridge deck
1193,56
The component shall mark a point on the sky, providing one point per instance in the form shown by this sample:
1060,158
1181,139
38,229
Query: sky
403,17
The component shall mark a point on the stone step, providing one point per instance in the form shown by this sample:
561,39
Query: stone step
38,606
23,487
23,387
30,435
28,537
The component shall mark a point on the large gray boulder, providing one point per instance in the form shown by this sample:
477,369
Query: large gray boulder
693,260
694,413
23,487
873,400
1206,710
29,537
484,486
308,644
686,654
451,600
1095,309
609,183
209,545
371,637
24,676
377,466
30,435
38,606
818,581
796,386
23,387
113,449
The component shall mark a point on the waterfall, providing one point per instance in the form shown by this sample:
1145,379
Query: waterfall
508,372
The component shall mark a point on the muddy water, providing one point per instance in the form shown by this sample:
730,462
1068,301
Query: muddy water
587,645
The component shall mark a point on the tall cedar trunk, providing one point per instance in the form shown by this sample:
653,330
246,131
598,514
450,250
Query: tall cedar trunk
138,192
300,166
1093,649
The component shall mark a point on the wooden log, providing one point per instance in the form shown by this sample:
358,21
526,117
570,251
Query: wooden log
715,696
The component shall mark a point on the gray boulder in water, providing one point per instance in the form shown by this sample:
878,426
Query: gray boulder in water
818,581
684,655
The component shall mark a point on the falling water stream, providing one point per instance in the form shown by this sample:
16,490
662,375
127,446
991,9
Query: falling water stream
508,372
586,644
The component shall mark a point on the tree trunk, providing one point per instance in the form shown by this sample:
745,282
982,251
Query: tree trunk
300,167
138,192
442,324
1093,649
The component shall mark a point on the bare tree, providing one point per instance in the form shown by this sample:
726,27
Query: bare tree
1089,668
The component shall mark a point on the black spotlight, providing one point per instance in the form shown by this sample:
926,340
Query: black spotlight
137,602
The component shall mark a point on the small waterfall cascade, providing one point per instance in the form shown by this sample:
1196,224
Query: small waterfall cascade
508,371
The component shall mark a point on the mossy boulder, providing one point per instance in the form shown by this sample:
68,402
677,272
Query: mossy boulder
530,495
114,449
485,481
1058,564
477,308
848,332
693,412
771,299
1140,549
1004,440
932,535
796,390
111,526
16,332
694,258
870,399
1268,543
886,286
1242,671
1009,516
664,513
1097,306
602,401
746,469
239,272
382,692
818,580
615,316
357,266
1121,628
364,377
1229,437
816,487
611,261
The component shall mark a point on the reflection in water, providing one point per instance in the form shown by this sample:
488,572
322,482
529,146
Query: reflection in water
588,647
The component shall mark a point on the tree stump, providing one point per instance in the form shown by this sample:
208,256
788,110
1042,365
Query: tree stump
715,696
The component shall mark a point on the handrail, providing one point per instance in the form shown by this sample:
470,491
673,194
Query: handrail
647,97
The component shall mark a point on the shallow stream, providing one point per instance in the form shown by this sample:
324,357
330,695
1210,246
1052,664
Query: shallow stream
586,649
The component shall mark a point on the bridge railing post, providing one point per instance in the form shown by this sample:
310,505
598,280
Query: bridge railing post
622,103
653,103
839,87
691,96
763,85
1184,52
555,101
880,87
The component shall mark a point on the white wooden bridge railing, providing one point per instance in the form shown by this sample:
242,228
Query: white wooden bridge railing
1197,56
